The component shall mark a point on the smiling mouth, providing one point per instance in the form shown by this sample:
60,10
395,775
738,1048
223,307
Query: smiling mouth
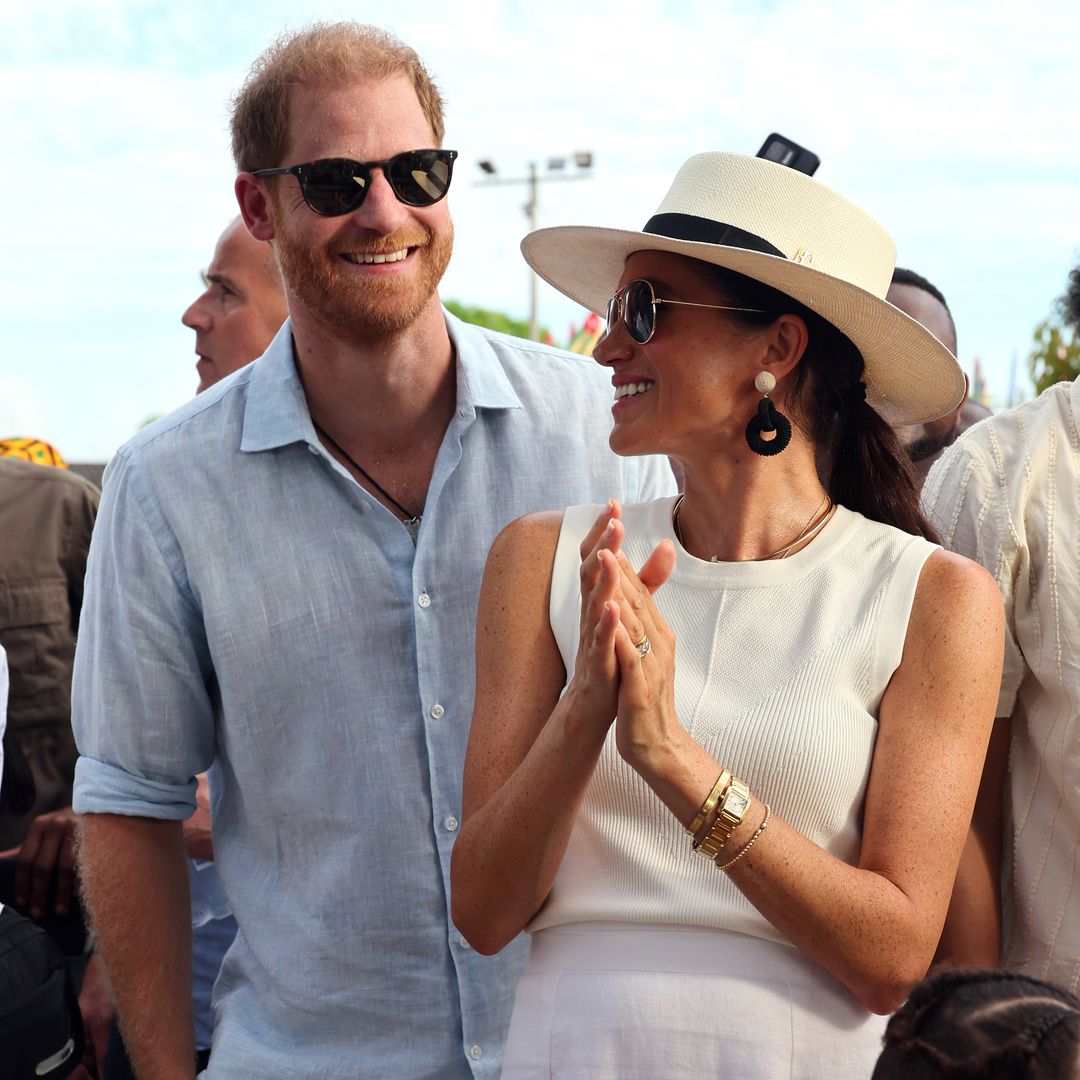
359,258
633,389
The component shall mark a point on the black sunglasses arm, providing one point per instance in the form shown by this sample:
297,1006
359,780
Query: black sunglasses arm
293,169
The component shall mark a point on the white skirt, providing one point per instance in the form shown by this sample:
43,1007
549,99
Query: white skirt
627,1001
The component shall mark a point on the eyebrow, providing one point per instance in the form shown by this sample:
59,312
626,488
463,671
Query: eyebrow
219,279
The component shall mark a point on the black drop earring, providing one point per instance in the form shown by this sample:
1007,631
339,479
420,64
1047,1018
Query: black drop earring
767,418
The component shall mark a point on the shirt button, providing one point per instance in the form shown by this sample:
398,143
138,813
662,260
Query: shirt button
424,600
312,449
437,711
450,824
475,1053
463,943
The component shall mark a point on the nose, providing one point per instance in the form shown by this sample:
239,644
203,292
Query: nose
198,317
613,346
381,211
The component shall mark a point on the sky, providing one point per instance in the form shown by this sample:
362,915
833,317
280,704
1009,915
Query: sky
953,124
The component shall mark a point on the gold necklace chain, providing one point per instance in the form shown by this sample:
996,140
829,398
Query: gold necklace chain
818,520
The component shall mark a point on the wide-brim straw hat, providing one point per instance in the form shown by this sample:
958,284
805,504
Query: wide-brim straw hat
783,228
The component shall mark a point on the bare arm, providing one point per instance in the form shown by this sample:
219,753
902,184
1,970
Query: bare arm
972,934
874,926
198,832
531,753
135,878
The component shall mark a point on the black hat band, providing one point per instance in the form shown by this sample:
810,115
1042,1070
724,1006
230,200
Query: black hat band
706,231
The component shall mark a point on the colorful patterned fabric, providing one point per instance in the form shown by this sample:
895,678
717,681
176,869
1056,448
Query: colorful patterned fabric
36,450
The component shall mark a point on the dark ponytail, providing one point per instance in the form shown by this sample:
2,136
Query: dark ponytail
860,460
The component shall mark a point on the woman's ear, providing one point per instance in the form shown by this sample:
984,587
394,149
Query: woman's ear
787,341
255,206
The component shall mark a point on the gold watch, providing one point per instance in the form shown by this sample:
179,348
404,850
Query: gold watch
728,819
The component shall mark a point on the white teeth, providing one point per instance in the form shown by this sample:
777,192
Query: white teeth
632,389
368,260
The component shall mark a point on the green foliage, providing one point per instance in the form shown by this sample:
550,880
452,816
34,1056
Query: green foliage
493,320
1055,353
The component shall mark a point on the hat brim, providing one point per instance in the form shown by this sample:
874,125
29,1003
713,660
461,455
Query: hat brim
910,376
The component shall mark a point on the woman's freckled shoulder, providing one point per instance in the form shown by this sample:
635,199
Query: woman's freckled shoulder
955,586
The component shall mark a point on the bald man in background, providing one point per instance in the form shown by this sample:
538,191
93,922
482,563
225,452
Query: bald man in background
242,309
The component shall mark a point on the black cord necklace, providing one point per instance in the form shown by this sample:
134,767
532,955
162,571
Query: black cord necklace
412,521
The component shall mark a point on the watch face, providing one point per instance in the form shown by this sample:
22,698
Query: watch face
736,803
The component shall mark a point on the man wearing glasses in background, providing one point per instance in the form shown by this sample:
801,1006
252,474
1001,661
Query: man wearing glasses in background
284,579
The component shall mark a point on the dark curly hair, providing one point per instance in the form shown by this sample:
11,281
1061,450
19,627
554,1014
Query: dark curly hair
983,1025
1070,302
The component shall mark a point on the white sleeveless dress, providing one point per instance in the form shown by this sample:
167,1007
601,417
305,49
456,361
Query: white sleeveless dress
645,960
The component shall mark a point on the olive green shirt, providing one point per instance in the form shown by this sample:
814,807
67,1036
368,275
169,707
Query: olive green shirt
46,517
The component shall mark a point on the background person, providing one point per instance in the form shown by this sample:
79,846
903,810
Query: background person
284,581
983,1025
924,302
826,657
242,308
1008,495
47,516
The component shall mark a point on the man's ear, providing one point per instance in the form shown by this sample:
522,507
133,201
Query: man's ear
255,206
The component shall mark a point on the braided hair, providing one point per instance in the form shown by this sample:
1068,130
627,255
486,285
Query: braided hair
983,1025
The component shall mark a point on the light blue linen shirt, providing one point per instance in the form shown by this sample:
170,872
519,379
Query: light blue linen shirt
248,602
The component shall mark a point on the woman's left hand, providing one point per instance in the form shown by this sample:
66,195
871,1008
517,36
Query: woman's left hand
646,721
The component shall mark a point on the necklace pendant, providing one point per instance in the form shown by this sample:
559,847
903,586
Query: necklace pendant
412,527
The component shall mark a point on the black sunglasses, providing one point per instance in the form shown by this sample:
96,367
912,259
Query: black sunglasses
637,302
336,186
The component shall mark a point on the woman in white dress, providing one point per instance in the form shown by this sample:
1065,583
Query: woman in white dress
780,662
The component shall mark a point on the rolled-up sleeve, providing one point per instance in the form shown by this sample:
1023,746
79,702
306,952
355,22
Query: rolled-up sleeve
966,504
142,704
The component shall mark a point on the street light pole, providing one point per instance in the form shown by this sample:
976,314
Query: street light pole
531,210
583,161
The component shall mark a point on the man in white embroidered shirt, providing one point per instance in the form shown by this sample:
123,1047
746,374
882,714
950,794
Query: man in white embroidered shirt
284,578
1007,494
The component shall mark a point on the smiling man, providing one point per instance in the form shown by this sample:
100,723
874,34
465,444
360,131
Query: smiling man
241,309
284,580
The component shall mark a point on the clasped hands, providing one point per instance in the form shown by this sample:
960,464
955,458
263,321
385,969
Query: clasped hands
612,678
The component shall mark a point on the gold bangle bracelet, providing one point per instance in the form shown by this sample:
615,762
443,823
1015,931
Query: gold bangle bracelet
710,802
751,843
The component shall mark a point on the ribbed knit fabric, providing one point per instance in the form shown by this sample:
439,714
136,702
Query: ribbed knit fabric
780,669
1007,494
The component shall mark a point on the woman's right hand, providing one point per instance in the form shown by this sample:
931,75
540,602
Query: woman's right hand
595,682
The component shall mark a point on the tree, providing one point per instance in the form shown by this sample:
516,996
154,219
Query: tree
493,320
1055,353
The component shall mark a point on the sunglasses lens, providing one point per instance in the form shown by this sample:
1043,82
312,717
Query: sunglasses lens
638,310
334,186
421,177
612,314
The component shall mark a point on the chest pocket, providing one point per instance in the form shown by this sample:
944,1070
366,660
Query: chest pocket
35,631
24,604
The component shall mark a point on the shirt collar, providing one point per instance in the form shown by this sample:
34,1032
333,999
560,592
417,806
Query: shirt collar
482,380
276,413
